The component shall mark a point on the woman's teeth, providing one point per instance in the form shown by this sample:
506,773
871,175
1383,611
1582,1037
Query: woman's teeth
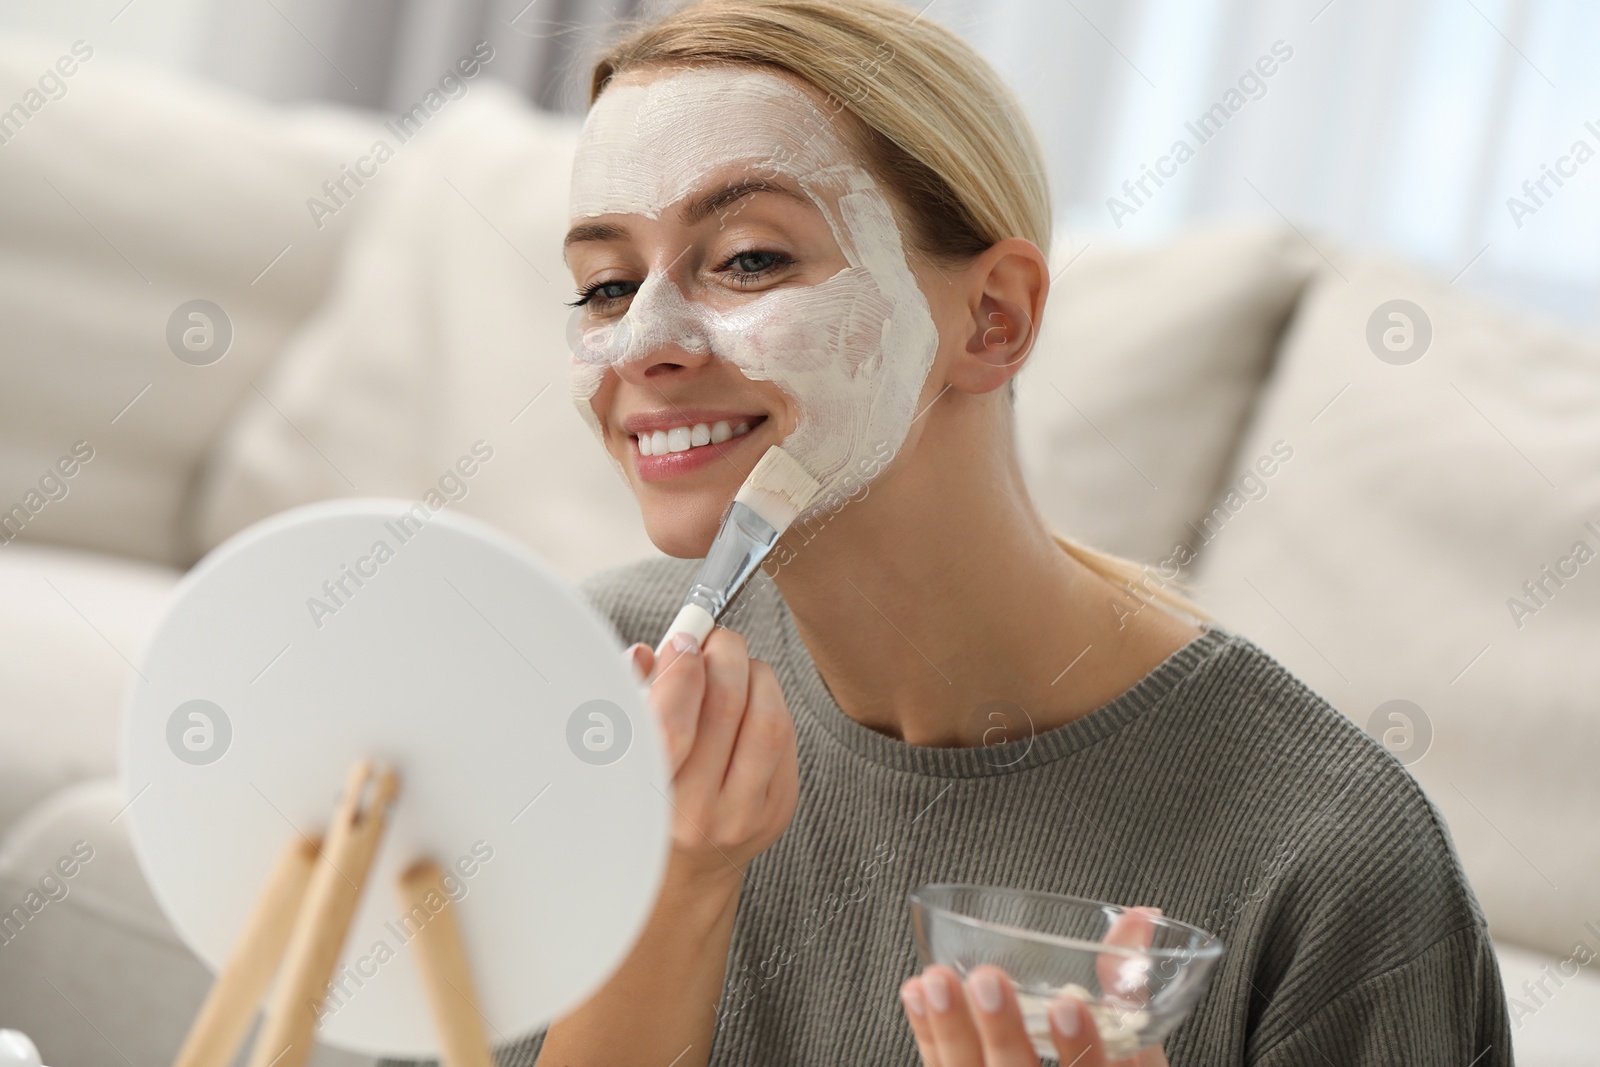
683,438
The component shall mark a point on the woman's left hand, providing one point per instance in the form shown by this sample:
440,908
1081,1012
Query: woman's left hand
980,1025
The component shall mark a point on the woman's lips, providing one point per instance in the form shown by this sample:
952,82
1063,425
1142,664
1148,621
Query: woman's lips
660,468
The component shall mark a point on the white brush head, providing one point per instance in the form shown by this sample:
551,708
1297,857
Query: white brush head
778,489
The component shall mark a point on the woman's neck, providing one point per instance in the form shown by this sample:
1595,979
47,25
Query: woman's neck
939,609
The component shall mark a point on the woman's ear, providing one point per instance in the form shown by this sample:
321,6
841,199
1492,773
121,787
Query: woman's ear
1007,286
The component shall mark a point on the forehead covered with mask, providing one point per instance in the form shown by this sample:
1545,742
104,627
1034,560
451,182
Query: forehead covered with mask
851,351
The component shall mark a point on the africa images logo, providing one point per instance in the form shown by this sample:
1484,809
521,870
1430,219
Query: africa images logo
199,732
599,732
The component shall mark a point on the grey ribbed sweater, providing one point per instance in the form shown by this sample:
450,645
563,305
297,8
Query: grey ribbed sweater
1219,788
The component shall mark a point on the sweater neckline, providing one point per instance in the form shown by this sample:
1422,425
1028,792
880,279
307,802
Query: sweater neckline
1012,757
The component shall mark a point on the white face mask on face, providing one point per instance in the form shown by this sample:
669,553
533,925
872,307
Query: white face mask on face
852,351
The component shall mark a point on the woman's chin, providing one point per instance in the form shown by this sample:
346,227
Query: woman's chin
683,528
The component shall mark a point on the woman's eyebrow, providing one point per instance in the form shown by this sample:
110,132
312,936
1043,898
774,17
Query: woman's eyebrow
691,213
594,231
697,210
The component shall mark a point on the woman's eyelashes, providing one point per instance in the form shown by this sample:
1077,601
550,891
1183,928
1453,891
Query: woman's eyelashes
753,266
742,270
596,293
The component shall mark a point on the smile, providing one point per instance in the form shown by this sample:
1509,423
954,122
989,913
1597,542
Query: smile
683,438
662,450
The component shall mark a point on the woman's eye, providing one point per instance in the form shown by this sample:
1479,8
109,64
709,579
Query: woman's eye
603,293
745,267
742,267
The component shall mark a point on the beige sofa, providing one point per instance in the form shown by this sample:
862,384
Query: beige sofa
1407,502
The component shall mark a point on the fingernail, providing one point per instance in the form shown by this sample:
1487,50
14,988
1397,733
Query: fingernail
938,992
986,991
634,657
913,999
1064,1014
685,643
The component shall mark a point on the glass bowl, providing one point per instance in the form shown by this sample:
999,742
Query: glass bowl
1138,973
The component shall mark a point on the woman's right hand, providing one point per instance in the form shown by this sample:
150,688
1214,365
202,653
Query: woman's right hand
729,740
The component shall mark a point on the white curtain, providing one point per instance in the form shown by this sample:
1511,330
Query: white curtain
385,53
1405,125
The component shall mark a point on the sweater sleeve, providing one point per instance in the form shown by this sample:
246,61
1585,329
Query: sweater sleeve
1443,1008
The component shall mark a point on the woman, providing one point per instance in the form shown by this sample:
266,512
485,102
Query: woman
824,224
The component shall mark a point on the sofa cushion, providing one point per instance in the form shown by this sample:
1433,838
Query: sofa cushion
72,625
1148,362
446,327
126,196
1554,1001
82,932
1397,556
89,966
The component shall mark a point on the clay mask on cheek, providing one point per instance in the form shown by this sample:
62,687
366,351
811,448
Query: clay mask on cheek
852,351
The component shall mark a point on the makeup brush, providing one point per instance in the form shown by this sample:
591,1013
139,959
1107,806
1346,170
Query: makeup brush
776,491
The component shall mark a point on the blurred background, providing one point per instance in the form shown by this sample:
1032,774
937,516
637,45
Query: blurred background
1323,344
1405,125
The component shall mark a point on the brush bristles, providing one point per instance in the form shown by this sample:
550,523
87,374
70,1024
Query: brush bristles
778,489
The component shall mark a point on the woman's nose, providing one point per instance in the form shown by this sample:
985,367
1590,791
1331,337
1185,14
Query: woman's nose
662,334
654,360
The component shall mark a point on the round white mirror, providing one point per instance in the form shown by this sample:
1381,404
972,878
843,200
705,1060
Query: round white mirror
529,768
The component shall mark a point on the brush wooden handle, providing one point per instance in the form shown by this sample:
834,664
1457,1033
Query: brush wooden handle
236,995
442,965
288,1034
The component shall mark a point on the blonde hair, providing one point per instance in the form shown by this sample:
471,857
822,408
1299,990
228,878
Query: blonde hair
934,123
